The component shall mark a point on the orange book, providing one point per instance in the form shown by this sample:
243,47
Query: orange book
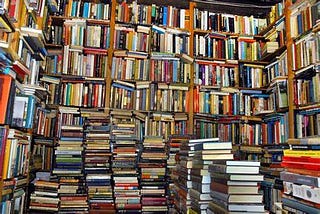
5,87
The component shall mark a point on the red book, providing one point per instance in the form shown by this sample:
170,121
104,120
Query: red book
5,88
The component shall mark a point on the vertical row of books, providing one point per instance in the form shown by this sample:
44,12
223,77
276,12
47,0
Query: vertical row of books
22,52
68,163
125,150
97,160
300,178
153,167
15,148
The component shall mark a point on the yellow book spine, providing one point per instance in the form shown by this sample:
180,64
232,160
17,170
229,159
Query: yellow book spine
6,160
300,153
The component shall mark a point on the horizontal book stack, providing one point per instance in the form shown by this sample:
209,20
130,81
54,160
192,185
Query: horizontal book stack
183,181
172,173
69,163
152,163
45,197
124,163
301,178
206,151
235,187
97,161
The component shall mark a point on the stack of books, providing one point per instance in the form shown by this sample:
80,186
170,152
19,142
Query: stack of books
124,164
69,163
97,161
301,180
206,151
153,184
45,196
172,173
235,187
183,183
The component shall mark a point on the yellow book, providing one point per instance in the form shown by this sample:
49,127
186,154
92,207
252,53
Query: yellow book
6,160
300,153
191,211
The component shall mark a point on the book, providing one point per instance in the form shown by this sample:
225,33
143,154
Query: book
6,91
233,169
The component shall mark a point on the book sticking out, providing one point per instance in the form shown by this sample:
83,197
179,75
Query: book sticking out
221,168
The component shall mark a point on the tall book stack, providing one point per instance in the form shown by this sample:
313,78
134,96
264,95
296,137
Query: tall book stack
153,184
45,197
206,151
301,178
183,182
124,163
97,161
69,163
172,173
235,187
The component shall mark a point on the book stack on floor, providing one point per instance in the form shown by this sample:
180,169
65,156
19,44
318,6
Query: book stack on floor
153,184
44,198
124,164
97,161
235,187
206,151
301,180
183,183
69,163
174,147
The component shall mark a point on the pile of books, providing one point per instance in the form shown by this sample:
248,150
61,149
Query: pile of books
69,163
124,164
45,195
235,187
172,173
97,161
153,184
301,180
206,151
183,182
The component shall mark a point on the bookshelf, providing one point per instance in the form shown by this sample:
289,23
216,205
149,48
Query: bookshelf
176,68
302,34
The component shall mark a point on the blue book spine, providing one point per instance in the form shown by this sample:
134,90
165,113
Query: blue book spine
31,111
175,71
85,13
300,25
165,16
209,48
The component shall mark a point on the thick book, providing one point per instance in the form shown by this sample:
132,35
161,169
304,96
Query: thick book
6,92
221,168
300,179
213,145
237,198
236,177
228,189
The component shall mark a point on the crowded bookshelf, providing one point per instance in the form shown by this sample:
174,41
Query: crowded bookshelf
148,106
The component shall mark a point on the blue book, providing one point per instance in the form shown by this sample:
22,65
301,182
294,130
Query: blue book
30,112
175,71
300,24
165,16
209,54
122,86
85,13
299,205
